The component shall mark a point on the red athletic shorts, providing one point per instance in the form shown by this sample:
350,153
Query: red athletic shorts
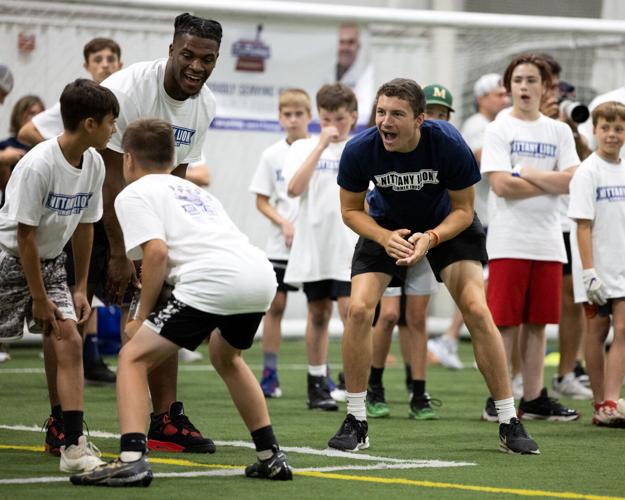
524,291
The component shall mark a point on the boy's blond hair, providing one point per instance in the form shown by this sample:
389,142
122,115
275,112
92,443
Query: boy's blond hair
298,98
610,111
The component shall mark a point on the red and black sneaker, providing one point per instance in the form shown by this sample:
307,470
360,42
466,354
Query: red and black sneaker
55,437
173,431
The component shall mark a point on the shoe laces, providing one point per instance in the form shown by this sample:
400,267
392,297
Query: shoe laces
93,449
183,422
425,401
517,429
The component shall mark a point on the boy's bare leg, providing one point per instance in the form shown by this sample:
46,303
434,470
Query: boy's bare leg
416,314
615,366
319,314
143,352
383,330
597,331
242,385
272,323
50,366
163,382
465,283
533,343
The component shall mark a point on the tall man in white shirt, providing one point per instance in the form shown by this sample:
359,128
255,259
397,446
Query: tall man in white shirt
174,90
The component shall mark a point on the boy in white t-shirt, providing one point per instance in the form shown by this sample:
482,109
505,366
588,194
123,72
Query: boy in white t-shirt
597,204
529,159
323,245
273,202
216,279
54,195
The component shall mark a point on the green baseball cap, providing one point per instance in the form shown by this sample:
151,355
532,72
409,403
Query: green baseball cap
437,94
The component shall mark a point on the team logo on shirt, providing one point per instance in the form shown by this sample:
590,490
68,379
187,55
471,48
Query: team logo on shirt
533,149
182,135
324,164
194,201
64,204
406,181
611,193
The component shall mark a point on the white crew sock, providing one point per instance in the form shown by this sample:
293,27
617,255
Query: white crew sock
505,410
356,404
130,456
318,370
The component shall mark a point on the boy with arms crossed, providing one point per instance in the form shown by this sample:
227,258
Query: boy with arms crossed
269,182
322,245
54,195
597,204
187,241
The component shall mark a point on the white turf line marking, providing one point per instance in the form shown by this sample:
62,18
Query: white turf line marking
387,462
182,368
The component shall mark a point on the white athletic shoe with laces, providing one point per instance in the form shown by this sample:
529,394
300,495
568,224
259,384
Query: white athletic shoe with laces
570,387
446,350
81,457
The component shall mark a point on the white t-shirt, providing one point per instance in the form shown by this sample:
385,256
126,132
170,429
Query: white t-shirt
141,94
211,264
585,128
526,228
269,181
323,245
473,133
598,194
49,122
47,192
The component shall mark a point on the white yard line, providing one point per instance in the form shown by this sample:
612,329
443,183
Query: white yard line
383,462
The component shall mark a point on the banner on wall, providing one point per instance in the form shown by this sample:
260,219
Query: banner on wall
258,61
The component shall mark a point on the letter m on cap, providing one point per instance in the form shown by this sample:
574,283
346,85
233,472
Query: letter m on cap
439,92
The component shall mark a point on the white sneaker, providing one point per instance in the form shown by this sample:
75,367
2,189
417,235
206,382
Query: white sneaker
81,457
446,350
4,356
517,386
570,387
187,356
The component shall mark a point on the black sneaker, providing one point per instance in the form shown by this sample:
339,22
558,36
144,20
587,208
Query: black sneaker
275,467
174,432
490,412
351,436
116,473
514,439
55,436
98,372
319,395
546,408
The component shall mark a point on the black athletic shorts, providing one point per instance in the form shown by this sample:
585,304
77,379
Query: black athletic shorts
279,267
99,258
188,327
566,268
327,289
470,244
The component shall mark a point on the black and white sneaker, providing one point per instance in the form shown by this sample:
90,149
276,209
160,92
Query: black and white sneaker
116,473
319,394
490,412
275,467
546,408
514,439
351,436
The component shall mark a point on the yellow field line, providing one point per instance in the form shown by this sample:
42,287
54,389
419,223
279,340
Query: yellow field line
368,479
453,486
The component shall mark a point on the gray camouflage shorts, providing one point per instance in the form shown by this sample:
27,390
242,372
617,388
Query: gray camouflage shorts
15,300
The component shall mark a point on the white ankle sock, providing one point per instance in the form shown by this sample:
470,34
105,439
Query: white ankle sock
356,404
505,410
318,370
130,456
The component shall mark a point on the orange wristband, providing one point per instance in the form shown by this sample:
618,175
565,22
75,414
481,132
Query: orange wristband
433,236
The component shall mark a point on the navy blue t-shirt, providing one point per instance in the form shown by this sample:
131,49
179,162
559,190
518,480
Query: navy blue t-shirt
410,188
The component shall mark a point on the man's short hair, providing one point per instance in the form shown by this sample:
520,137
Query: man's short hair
98,44
610,111
22,105
406,89
197,26
536,60
333,96
294,97
151,142
84,99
